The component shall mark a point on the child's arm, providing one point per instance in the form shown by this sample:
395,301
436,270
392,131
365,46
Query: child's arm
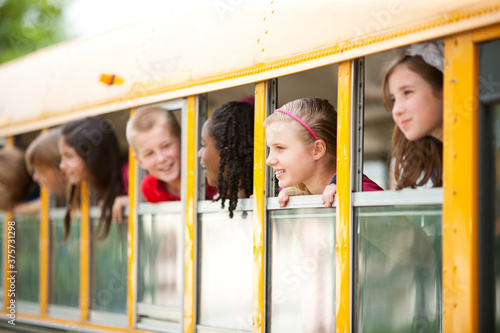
26,208
329,195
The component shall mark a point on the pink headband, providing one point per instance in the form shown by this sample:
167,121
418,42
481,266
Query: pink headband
300,121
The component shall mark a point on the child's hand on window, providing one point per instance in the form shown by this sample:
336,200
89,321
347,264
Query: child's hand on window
283,198
329,195
118,206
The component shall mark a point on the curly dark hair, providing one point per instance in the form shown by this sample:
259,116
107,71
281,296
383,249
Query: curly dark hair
95,142
233,131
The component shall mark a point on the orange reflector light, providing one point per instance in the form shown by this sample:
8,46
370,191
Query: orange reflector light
111,79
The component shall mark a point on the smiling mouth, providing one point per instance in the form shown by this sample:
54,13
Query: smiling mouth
404,123
279,173
165,168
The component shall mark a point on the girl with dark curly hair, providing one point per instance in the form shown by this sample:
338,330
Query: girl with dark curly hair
227,152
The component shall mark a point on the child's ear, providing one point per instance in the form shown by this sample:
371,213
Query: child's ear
319,149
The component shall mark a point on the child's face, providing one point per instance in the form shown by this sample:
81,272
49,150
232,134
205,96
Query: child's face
48,177
209,155
72,165
159,153
292,161
417,110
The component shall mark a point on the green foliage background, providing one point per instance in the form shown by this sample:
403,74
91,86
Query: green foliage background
28,25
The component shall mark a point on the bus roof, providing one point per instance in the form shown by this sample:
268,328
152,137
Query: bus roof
214,45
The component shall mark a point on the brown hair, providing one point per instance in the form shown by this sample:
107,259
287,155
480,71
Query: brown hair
95,142
415,161
15,181
321,117
145,119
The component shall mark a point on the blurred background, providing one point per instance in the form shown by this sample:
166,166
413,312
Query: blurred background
29,25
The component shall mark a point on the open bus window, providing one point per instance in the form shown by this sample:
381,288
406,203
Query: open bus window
160,246
108,260
408,138
316,83
225,253
151,183
209,171
378,123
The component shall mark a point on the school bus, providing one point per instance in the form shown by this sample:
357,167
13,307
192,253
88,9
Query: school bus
423,260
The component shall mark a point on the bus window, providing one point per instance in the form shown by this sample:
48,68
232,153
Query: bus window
208,103
303,270
316,83
489,185
497,207
43,159
108,298
302,237
399,268
27,258
149,181
378,123
64,265
413,91
27,243
160,225
226,244
399,233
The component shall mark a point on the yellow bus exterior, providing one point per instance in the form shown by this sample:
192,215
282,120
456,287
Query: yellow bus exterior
224,44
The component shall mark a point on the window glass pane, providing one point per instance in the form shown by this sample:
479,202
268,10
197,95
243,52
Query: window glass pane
2,269
496,113
64,264
399,269
226,270
303,270
488,178
160,259
27,258
109,270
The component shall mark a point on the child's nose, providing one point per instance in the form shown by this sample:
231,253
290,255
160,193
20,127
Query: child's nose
160,156
397,108
270,160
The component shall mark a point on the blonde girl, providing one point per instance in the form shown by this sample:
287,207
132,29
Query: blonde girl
413,90
302,140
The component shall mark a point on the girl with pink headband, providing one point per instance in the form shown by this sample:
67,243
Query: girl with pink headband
302,140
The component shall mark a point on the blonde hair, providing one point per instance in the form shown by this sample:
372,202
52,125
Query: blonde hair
44,151
14,178
146,119
321,117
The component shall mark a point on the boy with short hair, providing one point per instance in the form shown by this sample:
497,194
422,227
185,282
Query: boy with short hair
154,135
